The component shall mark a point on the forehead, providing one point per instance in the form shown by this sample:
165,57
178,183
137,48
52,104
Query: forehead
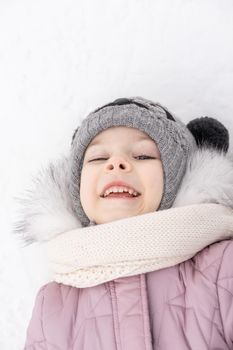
120,133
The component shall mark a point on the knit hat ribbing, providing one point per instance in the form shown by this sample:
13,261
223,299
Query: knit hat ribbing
175,142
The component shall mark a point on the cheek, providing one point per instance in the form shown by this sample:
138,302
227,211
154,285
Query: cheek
84,180
155,178
87,183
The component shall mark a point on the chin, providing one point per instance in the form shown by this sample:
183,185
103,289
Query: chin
119,217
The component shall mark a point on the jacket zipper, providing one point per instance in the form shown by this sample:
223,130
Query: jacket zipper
145,313
115,315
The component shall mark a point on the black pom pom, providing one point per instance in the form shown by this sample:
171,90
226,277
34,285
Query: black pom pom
209,132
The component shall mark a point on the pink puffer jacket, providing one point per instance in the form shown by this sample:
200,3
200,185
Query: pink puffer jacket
185,307
188,306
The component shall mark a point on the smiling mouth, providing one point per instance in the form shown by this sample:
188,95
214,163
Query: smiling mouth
123,195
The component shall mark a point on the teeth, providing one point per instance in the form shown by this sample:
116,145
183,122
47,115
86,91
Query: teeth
120,189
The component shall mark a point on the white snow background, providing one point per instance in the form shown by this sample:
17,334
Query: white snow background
61,59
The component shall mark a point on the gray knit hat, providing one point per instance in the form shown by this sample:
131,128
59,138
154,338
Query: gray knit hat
175,143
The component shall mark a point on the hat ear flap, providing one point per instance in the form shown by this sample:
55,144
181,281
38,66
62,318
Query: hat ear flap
74,135
209,132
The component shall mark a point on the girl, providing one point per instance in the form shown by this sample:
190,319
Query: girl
137,223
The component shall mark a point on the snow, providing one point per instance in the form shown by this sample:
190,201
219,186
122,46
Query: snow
61,59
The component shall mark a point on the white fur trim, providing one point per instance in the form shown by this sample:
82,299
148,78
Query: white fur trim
47,209
208,179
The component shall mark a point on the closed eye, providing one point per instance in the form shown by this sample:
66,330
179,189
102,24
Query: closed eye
147,157
93,160
144,156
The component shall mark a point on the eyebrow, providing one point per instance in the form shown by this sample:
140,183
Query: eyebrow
141,138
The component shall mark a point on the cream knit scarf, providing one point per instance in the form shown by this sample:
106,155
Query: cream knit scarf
89,256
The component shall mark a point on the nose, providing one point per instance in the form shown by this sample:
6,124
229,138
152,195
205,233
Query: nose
118,163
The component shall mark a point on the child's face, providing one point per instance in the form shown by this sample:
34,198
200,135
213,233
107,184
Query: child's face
120,149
